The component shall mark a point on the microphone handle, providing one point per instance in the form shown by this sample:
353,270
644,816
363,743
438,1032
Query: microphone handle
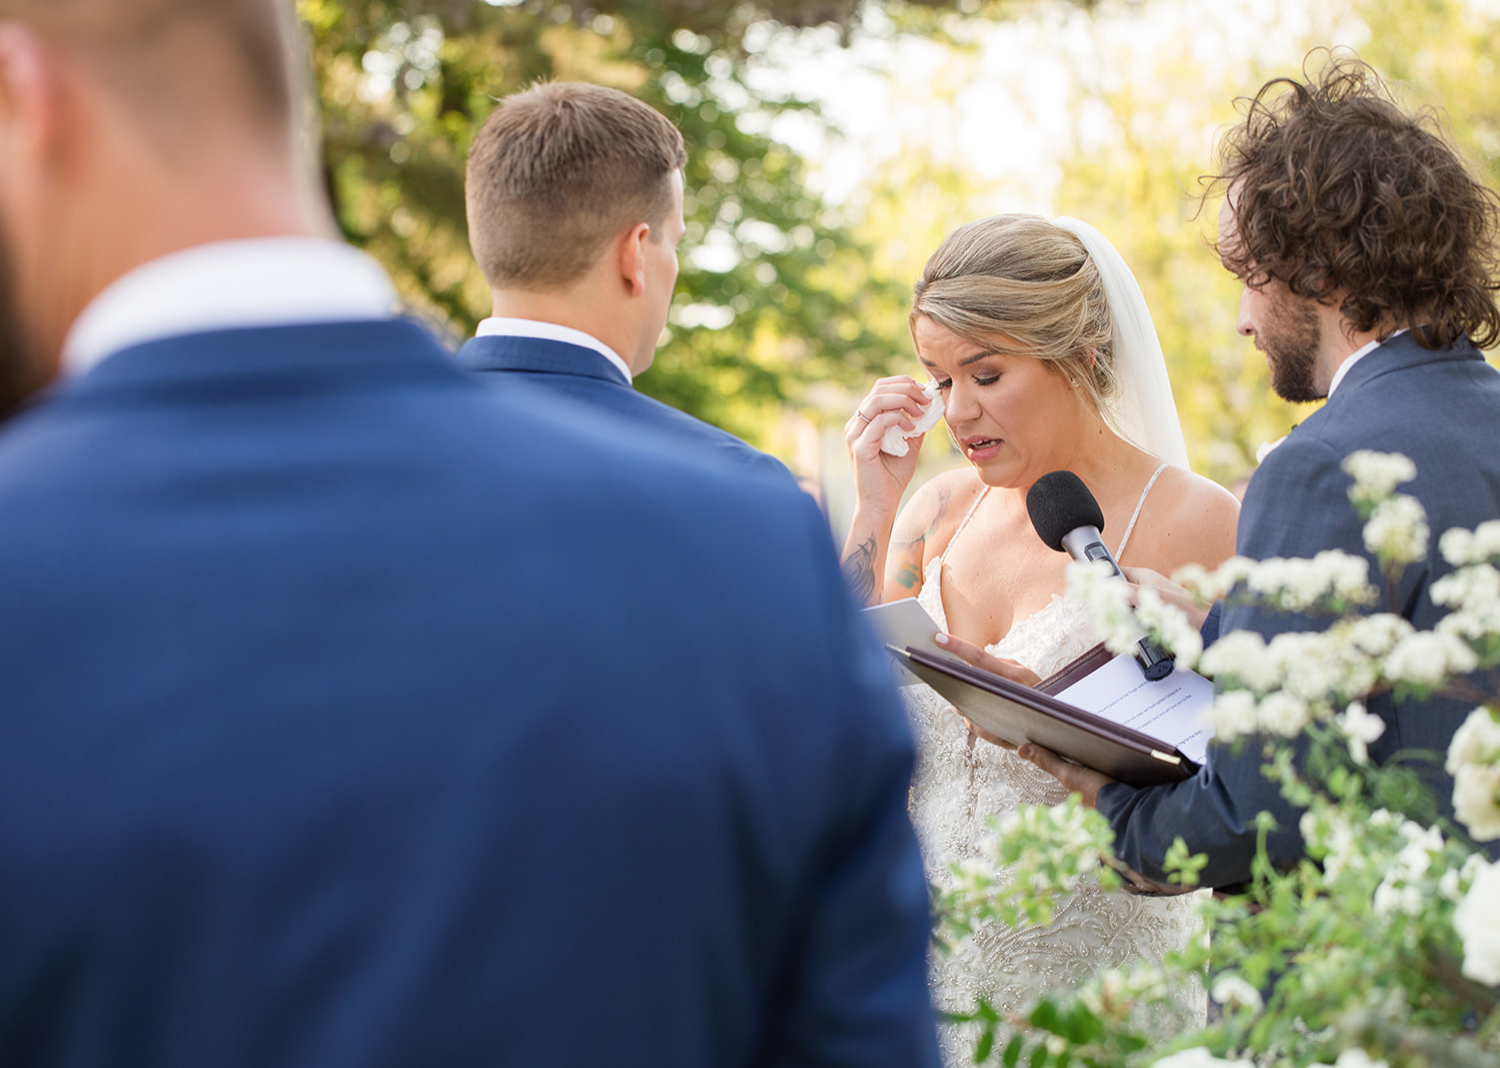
1086,543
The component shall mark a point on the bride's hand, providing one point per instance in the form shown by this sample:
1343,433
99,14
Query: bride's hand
880,478
1009,669
970,653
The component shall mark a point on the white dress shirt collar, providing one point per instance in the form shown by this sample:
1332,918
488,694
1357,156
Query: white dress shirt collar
502,326
1357,355
270,281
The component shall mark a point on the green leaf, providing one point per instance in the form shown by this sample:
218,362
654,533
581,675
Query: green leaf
1013,1049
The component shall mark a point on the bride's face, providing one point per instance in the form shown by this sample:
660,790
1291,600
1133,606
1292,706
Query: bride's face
1015,418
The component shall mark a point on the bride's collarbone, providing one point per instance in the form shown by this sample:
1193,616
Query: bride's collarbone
986,590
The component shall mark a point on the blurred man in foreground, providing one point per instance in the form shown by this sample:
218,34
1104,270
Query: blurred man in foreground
347,719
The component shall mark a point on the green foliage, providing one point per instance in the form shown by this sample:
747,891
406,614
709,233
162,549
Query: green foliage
764,298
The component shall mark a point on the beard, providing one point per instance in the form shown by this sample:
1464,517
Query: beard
1291,337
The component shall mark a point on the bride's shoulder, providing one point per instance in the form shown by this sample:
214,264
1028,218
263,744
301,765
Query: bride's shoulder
1189,519
937,505
935,509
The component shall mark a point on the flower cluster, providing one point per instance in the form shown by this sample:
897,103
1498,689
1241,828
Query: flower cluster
1477,921
1095,583
1396,529
1474,763
1376,476
1037,856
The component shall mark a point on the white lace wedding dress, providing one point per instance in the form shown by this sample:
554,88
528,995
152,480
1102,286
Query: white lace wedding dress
960,782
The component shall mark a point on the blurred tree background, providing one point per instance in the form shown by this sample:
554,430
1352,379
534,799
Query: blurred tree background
790,300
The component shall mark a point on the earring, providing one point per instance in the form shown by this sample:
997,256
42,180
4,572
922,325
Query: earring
1073,382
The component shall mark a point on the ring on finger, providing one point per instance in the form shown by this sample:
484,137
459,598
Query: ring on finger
862,415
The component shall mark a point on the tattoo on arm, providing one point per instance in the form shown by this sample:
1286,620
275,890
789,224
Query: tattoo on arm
859,571
942,506
909,561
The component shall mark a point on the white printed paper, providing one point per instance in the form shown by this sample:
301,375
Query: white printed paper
1167,709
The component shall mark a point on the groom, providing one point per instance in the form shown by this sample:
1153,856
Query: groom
574,196
1367,281
355,714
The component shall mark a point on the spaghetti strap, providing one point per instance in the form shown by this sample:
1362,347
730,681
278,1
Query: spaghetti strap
1130,527
960,528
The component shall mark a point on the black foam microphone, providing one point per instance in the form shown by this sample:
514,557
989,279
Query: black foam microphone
1068,519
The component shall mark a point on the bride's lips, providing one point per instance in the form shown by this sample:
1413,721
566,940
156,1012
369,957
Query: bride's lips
980,448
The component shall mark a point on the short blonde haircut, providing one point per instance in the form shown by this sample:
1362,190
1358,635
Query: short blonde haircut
557,172
1024,286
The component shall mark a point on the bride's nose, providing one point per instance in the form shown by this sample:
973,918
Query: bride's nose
961,405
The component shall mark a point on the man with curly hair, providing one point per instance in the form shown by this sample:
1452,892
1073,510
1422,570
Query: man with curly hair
1367,252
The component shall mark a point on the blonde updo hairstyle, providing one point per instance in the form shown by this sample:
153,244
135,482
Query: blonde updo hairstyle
1023,286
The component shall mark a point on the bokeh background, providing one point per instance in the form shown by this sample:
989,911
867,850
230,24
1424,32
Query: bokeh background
833,143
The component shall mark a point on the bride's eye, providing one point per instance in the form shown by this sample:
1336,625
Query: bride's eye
944,384
988,381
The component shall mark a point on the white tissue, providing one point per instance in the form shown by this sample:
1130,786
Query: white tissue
893,441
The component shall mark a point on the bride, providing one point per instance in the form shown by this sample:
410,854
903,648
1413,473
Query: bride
1045,358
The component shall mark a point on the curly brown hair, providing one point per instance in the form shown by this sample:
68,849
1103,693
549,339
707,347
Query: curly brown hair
1334,188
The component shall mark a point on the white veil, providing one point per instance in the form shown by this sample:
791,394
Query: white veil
1144,412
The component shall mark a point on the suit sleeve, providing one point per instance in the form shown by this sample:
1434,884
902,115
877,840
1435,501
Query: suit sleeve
858,990
1296,506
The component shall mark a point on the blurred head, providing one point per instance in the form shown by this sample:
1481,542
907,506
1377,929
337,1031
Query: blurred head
1339,196
179,68
1021,285
129,127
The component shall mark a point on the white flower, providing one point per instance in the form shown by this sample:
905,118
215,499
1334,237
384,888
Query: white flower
1357,1058
1283,714
1296,584
1108,600
1377,474
1477,922
1242,655
1232,990
1476,742
1390,898
1378,634
1476,800
1312,665
1178,634
1397,531
1427,658
1362,727
1400,890
1455,881
1231,715
1198,1057
1474,763
1328,829
1461,547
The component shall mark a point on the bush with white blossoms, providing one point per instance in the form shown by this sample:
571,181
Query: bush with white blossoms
1381,947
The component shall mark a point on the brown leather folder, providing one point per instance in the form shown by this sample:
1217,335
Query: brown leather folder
1021,714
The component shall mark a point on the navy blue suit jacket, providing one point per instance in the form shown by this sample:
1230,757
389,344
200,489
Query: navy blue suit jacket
355,714
587,376
1441,409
